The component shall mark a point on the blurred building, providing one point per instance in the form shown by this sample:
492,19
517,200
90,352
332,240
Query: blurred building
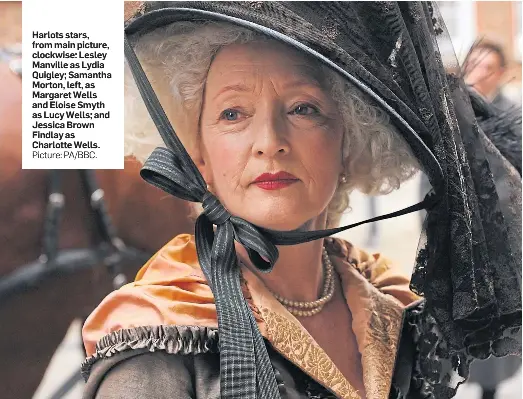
496,21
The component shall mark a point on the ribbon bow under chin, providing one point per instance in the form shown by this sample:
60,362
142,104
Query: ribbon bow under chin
246,370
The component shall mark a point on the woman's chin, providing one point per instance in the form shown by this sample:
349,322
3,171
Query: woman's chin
281,222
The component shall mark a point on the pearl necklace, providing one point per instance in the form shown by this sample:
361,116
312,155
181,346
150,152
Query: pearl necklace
305,308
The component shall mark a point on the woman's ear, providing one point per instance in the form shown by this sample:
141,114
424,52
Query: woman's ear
342,165
198,157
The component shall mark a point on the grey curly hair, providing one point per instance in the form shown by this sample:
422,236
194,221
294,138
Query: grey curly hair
176,59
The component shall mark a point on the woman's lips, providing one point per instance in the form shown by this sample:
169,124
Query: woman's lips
275,185
275,181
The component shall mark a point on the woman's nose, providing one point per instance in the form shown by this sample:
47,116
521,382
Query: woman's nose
271,136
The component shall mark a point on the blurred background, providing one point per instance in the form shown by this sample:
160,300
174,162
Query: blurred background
496,21
10,22
40,338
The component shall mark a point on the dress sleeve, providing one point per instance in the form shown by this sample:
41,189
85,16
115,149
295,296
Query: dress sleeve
142,374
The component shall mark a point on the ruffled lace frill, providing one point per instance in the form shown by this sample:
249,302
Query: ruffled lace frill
182,340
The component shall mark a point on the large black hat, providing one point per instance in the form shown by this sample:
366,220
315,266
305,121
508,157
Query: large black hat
468,267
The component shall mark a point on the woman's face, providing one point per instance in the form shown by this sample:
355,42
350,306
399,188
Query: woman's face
271,137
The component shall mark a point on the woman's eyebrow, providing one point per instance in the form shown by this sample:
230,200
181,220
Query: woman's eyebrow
242,88
303,81
235,87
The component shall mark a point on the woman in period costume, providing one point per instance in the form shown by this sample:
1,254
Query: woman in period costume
272,113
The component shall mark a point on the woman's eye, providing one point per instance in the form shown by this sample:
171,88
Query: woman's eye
230,115
305,109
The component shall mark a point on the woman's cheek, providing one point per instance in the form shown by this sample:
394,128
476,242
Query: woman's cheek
226,164
327,159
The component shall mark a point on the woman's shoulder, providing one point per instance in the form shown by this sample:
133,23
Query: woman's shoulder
170,289
176,258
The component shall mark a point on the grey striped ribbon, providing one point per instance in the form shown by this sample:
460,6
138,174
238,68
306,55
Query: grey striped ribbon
245,368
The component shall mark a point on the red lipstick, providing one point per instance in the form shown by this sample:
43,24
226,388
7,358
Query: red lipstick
275,181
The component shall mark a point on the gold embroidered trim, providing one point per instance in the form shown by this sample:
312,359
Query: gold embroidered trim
381,341
290,340
377,316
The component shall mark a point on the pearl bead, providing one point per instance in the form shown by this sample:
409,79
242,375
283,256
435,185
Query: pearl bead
313,307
